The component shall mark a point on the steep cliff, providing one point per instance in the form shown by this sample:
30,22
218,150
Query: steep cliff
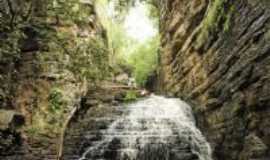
216,55
50,51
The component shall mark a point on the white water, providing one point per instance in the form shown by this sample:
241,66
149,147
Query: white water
149,127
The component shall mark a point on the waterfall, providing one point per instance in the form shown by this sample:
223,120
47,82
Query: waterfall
155,128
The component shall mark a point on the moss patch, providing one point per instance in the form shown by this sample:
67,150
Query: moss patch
130,96
219,14
55,100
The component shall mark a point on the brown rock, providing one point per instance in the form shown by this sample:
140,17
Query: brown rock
253,148
216,54
10,120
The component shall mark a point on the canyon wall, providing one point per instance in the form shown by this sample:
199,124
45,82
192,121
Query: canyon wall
215,54
49,53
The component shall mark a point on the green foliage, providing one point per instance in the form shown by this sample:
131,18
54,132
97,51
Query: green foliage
228,18
9,47
69,11
89,59
68,40
55,100
153,12
127,53
217,14
85,56
118,41
130,96
144,60
32,131
40,15
13,18
123,6
214,14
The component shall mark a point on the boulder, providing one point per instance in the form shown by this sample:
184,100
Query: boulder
254,148
10,120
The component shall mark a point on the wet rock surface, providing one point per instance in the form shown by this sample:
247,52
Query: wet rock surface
215,54
138,131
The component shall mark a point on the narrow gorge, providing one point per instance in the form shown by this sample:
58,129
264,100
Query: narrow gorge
135,80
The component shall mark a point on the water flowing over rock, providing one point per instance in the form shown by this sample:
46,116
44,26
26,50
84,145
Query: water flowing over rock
155,128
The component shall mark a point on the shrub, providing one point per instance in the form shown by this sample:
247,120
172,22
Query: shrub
55,100
130,96
144,60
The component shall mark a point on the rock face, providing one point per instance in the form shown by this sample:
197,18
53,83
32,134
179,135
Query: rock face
216,55
44,53
10,122
99,103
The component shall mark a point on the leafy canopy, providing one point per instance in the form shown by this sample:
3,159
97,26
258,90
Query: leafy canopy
141,57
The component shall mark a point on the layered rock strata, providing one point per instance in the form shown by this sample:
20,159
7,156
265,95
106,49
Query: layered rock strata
216,55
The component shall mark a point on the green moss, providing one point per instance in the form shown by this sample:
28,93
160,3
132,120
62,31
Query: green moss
9,46
49,116
89,60
236,108
32,131
86,58
228,18
55,100
130,96
217,14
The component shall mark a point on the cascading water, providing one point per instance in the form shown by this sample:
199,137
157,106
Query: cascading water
155,128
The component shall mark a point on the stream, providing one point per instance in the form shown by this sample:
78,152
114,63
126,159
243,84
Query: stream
155,128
